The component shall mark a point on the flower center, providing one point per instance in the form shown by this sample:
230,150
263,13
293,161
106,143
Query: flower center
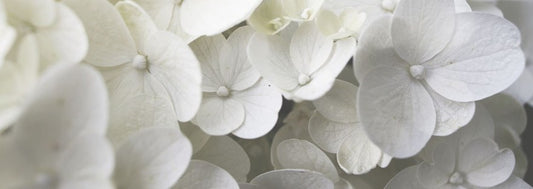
306,14
140,62
388,5
456,178
417,71
276,23
222,91
303,79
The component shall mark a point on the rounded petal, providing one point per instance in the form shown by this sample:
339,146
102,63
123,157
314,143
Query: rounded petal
227,154
421,29
65,41
396,111
478,62
270,56
339,103
210,17
110,42
485,165
153,158
219,116
343,184
309,48
204,175
250,186
357,154
451,115
513,182
261,103
208,50
293,179
69,101
435,173
268,17
329,135
237,72
301,154
139,24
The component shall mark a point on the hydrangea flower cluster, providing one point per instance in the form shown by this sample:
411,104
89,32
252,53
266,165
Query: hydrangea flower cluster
264,94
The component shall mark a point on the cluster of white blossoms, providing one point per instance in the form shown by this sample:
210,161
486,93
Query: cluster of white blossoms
264,94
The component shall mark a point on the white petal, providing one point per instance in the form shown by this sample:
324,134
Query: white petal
196,136
485,165
396,111
87,157
250,186
219,116
513,182
162,12
270,56
284,133
293,179
520,167
385,160
208,50
302,10
375,48
329,135
204,175
227,154
357,154
343,184
237,72
173,64
63,41
262,103
153,158
506,112
322,80
301,154
462,6
451,115
405,179
339,103
69,101
309,48
139,24
39,13
421,29
110,42
268,17
222,14
521,90
7,34
478,62
87,184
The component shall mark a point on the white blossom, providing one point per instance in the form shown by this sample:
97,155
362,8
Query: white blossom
303,67
420,79
204,175
236,100
290,179
59,139
153,77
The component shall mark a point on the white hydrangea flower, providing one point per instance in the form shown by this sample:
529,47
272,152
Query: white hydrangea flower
59,139
420,79
272,16
152,158
17,79
301,154
60,35
303,67
7,34
340,25
335,127
479,163
192,18
153,76
236,100
204,175
290,179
